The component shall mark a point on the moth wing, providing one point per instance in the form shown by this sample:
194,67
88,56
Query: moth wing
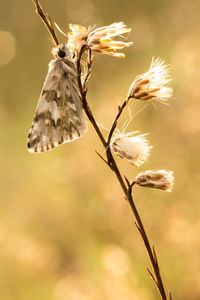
59,114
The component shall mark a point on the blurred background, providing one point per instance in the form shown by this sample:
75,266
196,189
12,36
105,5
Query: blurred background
65,230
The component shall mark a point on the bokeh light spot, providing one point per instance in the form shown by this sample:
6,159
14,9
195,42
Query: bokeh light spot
116,260
7,47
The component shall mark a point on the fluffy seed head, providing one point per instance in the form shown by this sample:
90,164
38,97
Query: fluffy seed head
158,179
99,40
132,147
153,84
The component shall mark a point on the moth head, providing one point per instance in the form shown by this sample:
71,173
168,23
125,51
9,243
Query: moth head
61,52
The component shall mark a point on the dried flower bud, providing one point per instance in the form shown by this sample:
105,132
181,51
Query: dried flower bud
153,83
134,148
99,40
160,179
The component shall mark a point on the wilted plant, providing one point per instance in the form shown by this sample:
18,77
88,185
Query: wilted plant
59,116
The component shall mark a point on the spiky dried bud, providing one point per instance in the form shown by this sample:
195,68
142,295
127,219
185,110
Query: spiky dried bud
132,147
153,84
158,179
99,40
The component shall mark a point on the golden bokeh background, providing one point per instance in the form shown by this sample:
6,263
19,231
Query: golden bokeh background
65,230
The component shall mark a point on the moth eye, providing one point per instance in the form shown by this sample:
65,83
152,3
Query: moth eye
61,53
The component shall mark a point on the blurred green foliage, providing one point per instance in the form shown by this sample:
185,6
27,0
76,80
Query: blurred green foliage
65,230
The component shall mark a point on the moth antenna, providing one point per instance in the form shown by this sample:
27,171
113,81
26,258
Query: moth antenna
47,21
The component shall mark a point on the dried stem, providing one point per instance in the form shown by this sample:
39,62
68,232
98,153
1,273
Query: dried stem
88,71
126,185
83,92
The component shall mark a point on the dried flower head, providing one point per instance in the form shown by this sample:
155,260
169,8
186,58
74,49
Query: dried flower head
99,40
153,83
132,147
77,37
160,179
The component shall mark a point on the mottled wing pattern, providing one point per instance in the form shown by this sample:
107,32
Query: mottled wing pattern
59,116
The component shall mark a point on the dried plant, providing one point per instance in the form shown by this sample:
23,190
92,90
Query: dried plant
129,146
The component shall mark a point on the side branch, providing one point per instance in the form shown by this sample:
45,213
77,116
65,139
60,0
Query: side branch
114,124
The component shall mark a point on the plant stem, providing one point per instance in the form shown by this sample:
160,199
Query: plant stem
83,92
127,189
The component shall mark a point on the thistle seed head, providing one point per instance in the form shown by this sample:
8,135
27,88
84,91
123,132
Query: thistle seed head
153,84
132,147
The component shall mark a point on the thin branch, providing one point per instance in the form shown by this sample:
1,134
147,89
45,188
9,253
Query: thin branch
114,123
101,157
155,256
47,21
152,276
138,227
127,181
132,184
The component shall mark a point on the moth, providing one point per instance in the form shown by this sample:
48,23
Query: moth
59,115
